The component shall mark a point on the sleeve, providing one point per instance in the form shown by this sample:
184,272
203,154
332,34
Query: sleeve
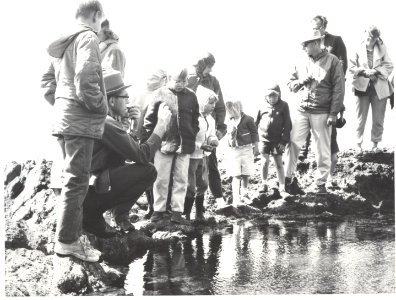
116,59
119,141
355,67
386,67
287,125
211,136
48,83
342,54
258,119
294,79
253,130
88,75
150,119
338,88
219,110
195,116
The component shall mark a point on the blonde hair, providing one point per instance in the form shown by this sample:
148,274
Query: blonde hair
234,107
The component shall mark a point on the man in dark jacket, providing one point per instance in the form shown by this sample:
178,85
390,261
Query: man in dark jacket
334,45
202,76
319,82
73,84
121,169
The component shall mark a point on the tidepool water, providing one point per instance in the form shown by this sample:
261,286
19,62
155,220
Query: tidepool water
273,257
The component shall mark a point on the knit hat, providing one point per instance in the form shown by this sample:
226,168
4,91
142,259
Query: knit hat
272,89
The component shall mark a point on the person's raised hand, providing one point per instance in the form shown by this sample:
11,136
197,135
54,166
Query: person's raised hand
134,112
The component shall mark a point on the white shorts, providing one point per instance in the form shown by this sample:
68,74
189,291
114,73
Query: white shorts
240,161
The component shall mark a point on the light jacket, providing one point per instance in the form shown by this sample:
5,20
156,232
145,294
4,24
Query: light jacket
210,82
244,134
111,55
381,63
325,93
274,123
183,126
114,149
205,135
73,83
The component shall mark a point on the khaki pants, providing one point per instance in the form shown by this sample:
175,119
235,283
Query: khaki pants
302,124
163,164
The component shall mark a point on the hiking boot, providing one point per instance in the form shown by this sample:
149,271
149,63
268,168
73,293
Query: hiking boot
321,189
150,201
97,226
125,225
188,204
294,188
264,188
199,208
178,219
80,249
159,216
287,184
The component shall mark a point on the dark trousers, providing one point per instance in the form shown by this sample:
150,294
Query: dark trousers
214,176
128,182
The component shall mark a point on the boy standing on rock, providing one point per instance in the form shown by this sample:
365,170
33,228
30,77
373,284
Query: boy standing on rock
274,126
74,85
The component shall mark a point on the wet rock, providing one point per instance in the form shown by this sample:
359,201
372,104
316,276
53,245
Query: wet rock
12,170
164,235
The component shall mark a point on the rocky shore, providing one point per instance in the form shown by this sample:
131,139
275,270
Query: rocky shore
363,186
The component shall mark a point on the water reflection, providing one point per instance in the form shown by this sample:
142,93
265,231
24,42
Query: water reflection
272,257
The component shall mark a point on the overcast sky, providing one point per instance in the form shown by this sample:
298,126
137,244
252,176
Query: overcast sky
253,41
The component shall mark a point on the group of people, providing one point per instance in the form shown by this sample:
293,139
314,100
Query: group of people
164,144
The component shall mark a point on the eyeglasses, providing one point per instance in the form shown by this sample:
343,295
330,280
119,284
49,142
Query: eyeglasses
119,96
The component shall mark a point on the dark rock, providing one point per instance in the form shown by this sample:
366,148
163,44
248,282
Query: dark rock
12,170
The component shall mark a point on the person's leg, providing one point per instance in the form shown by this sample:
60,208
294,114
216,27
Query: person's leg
180,182
321,136
128,182
305,147
265,160
191,187
280,171
214,176
202,186
163,163
362,107
298,135
77,165
150,201
236,184
378,108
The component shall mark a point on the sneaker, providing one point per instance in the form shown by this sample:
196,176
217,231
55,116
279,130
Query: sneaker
80,249
178,219
88,245
125,225
159,216
321,189
285,195
246,199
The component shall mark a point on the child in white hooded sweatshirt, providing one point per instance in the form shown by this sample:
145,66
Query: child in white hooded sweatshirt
205,142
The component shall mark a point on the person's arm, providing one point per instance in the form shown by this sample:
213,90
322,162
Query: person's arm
88,72
342,54
118,140
150,119
116,59
195,115
386,67
287,125
48,83
253,134
220,111
338,91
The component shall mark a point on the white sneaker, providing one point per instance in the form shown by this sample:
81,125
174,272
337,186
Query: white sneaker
80,249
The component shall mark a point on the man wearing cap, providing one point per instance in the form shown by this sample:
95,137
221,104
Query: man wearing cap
320,86
202,76
121,169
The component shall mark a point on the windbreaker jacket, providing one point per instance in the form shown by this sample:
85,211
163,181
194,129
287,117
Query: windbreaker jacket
114,149
183,126
205,135
244,134
73,83
210,82
335,45
112,56
325,93
274,123
381,62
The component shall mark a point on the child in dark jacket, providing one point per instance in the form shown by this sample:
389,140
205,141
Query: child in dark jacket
274,126
242,137
177,145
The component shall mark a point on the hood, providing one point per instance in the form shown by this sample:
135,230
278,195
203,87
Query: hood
57,48
203,95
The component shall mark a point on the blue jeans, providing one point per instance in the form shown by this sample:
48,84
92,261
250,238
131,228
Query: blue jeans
77,153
